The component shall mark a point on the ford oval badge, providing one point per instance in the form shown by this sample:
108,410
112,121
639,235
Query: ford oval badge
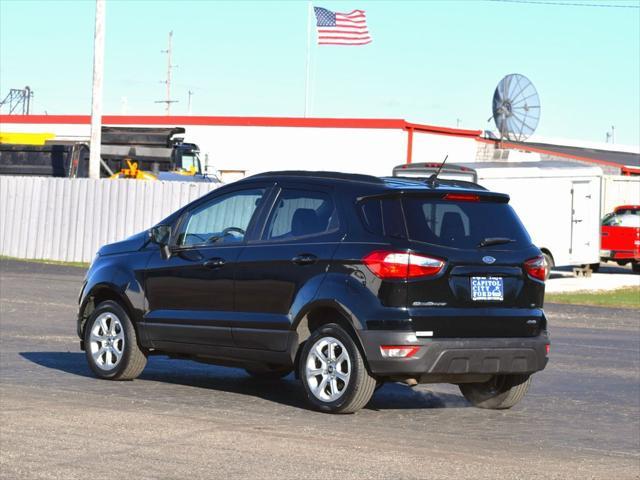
488,259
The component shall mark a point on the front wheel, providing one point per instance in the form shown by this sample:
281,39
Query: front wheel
110,343
333,372
500,392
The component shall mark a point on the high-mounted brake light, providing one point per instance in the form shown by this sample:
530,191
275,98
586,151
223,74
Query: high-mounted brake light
537,268
390,264
398,351
462,197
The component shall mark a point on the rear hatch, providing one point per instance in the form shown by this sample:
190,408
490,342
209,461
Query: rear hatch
486,287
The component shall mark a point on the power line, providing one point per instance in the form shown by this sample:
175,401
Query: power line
567,4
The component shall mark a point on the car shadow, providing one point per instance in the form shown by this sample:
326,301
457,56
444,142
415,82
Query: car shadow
287,391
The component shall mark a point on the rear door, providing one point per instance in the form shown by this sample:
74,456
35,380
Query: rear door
290,257
582,206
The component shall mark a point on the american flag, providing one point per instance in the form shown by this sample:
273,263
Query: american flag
336,28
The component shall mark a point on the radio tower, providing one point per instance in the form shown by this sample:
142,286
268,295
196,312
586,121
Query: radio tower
170,66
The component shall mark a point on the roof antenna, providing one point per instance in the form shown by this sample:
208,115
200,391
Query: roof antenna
433,179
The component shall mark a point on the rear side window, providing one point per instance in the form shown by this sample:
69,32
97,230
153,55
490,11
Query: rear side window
383,217
301,213
463,224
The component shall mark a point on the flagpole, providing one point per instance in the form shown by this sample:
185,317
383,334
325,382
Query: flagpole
308,65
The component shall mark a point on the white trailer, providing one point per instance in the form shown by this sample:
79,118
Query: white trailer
558,202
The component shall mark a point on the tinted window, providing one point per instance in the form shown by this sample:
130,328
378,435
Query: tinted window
462,224
383,217
223,220
300,213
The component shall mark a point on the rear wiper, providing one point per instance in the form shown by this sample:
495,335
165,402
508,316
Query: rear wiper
487,242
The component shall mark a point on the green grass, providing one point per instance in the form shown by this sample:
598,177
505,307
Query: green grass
624,297
48,262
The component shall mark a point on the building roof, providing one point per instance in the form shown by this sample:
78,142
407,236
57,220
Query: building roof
383,123
623,159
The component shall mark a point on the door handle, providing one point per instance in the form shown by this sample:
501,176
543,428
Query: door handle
214,263
304,259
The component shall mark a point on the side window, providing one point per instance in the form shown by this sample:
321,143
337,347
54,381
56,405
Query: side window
223,220
301,213
384,217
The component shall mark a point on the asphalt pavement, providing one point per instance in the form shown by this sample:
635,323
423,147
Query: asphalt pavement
181,419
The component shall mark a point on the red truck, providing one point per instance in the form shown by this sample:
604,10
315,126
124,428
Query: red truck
620,236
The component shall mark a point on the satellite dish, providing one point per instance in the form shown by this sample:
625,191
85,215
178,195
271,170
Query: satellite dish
516,108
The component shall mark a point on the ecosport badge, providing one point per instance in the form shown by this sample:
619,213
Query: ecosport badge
488,259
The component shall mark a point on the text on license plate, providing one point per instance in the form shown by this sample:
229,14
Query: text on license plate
487,288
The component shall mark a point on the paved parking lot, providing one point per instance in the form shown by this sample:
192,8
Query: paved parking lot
187,420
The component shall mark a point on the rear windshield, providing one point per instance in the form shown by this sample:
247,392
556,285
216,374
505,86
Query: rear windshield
466,225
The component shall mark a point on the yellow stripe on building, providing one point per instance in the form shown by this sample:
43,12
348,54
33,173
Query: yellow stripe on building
15,138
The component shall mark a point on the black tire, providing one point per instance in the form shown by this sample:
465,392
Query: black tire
635,267
595,267
501,392
550,264
132,359
359,388
268,373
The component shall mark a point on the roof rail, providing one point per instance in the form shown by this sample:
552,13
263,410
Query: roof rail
353,177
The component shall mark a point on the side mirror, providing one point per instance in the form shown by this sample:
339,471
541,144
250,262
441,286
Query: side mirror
161,235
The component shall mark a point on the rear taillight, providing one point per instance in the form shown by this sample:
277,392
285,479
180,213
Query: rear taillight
537,268
390,264
398,351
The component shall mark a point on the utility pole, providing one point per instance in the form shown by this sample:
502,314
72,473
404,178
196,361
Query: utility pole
611,135
189,102
170,66
96,101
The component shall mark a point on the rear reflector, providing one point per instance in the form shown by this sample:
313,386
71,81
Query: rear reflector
392,264
547,348
537,268
462,197
398,351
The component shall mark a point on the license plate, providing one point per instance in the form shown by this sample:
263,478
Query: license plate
487,289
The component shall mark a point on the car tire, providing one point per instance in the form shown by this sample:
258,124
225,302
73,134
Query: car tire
111,344
268,373
500,392
635,267
333,372
595,267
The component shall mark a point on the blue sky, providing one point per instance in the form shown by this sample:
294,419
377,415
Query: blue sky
430,61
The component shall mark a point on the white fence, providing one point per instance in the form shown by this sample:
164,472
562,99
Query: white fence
69,219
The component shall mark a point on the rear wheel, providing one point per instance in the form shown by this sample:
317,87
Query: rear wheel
502,391
595,267
111,345
635,267
333,372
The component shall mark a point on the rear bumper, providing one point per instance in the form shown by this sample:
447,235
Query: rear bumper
455,358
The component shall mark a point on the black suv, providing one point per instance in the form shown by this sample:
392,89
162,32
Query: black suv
347,280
